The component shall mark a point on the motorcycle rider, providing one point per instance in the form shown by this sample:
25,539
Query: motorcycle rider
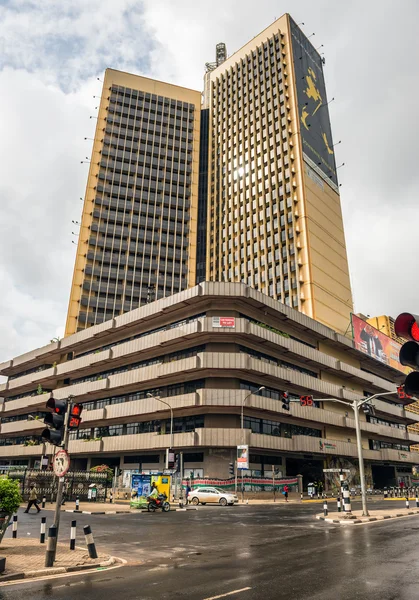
154,492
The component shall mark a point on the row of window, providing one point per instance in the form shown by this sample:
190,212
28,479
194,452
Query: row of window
287,430
180,425
276,361
174,356
378,444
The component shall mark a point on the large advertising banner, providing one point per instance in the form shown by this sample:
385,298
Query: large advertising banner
314,122
376,344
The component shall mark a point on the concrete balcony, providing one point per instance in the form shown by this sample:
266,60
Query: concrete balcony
84,447
26,404
413,437
381,430
389,454
22,427
19,450
389,409
82,364
146,441
32,380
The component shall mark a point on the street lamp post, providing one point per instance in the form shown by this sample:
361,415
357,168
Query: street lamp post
262,387
171,424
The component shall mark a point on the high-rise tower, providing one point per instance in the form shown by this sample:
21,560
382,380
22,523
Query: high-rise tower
274,213
138,231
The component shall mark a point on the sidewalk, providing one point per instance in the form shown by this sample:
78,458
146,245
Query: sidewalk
89,508
356,517
26,558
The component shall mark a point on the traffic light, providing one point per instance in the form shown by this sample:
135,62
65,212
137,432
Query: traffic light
285,400
231,468
368,409
407,326
74,418
54,433
306,400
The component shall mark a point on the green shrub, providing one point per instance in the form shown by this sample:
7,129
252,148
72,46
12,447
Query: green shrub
10,497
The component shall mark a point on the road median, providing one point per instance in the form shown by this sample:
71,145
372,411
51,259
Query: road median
356,517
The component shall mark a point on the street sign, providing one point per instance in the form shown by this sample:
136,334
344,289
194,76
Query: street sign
61,463
336,470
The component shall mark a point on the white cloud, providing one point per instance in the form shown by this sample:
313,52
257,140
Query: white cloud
51,53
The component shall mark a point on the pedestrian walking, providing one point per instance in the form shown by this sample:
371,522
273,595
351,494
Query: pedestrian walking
187,492
33,499
286,490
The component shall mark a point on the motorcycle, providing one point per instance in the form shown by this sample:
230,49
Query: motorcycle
159,502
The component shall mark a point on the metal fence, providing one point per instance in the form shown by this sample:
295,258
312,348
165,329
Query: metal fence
76,484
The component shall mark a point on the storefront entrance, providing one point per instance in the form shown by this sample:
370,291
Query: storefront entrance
310,469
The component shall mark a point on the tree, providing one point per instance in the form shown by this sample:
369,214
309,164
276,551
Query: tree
10,500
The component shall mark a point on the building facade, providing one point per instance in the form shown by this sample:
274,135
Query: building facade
138,229
274,213
206,351
244,190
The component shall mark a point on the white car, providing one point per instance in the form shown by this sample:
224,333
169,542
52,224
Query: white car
211,494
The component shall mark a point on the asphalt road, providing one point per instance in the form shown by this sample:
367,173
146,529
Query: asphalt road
240,553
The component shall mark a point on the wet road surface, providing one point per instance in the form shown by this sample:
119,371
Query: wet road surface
239,553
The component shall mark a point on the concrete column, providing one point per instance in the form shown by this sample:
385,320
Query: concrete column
300,484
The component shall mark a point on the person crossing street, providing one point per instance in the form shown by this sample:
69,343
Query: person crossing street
33,499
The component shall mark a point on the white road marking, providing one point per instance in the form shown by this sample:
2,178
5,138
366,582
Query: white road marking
228,594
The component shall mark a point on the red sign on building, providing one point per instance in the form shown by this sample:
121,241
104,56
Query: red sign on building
223,321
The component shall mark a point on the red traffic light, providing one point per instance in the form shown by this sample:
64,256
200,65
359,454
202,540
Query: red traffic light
407,326
58,406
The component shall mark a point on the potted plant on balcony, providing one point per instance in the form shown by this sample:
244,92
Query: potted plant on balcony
10,500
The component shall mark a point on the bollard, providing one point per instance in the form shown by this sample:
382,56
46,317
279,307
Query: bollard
90,542
14,534
325,508
407,503
43,525
110,497
302,496
385,493
346,499
180,503
51,546
43,501
338,502
73,535
77,503
417,500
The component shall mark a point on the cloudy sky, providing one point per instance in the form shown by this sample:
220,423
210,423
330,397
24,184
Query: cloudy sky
51,53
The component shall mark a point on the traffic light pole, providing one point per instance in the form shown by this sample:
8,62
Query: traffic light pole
60,487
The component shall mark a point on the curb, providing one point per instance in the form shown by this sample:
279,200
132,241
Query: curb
104,512
56,570
365,520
